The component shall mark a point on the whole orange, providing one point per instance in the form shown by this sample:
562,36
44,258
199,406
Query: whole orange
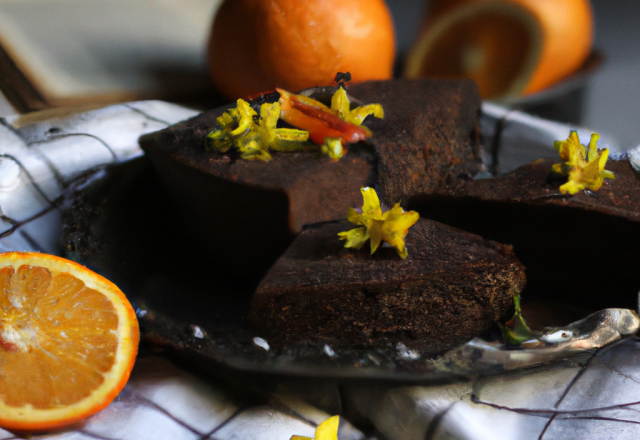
509,47
257,45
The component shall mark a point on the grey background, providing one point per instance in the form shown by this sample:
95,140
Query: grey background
613,101
613,95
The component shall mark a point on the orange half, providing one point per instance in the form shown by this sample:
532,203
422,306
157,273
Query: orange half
68,341
509,47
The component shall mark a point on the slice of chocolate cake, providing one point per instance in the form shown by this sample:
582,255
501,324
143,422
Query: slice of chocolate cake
249,211
452,286
581,248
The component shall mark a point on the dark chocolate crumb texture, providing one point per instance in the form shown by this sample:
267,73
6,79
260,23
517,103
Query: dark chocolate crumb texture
452,286
582,248
536,184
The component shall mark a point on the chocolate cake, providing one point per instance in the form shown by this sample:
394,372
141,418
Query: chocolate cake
452,286
250,211
583,248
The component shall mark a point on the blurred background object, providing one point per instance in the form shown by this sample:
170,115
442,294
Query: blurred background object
62,52
515,50
604,94
68,51
509,47
258,45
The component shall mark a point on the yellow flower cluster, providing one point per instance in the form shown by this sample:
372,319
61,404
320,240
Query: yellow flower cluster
253,136
391,226
584,165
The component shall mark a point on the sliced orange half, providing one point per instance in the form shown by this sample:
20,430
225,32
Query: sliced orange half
68,341
509,47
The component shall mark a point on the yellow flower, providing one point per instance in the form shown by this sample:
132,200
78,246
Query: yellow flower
253,136
233,123
333,148
583,164
327,430
341,105
390,227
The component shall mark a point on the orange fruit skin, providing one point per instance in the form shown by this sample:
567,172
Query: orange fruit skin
257,45
20,258
567,27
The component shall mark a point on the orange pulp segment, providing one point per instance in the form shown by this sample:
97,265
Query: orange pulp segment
68,341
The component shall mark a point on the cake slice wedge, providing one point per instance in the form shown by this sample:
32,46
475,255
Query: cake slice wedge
580,249
451,287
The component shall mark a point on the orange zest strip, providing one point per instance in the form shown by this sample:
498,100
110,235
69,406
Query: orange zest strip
320,122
